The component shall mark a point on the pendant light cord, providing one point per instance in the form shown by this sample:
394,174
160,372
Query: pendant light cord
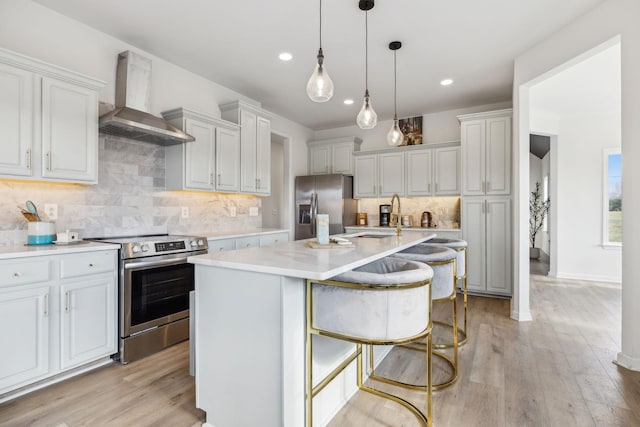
366,51
320,24
395,85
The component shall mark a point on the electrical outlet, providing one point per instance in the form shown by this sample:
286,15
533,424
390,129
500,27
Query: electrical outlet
51,209
253,211
232,211
185,212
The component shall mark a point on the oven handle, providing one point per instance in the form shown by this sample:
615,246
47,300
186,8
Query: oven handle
157,263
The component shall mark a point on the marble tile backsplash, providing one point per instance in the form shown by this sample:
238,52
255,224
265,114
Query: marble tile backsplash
129,199
445,210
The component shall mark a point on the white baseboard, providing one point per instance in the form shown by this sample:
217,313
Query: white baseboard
627,362
589,277
521,316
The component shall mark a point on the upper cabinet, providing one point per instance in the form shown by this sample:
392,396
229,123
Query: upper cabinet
332,155
255,145
486,153
410,171
211,162
48,122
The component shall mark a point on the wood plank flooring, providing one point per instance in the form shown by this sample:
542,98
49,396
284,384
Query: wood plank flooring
554,371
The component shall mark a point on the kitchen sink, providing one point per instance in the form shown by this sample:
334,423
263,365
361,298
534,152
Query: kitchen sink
372,235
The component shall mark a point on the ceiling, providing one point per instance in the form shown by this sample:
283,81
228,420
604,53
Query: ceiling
236,44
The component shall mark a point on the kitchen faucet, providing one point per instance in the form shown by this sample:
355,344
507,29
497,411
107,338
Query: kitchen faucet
395,196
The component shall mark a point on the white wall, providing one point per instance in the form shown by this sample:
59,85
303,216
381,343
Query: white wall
546,171
436,127
611,19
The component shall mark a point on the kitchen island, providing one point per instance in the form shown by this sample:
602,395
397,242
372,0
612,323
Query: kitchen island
250,329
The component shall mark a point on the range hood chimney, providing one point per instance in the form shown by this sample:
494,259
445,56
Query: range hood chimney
131,117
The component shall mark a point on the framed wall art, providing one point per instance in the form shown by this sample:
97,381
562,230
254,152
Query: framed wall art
412,130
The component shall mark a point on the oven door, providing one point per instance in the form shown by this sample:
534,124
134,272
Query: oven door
155,291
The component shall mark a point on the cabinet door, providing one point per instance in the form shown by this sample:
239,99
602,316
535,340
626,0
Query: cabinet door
227,160
272,239
69,131
247,242
263,156
16,124
220,245
319,160
498,237
473,231
342,158
24,328
199,156
447,171
88,319
248,140
391,174
419,176
473,157
366,177
498,156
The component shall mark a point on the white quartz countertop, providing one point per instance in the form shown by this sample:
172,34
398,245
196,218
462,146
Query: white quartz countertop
412,229
296,259
230,234
21,250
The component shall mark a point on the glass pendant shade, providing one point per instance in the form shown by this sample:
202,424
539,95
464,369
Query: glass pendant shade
320,85
367,118
395,136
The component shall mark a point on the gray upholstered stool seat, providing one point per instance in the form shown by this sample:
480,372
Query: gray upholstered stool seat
460,246
385,302
443,262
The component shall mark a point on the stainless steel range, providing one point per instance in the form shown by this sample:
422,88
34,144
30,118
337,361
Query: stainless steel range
154,285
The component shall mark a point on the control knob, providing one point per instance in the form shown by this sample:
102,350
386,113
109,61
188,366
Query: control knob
194,244
145,248
135,249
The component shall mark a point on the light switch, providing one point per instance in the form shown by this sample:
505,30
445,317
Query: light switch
253,211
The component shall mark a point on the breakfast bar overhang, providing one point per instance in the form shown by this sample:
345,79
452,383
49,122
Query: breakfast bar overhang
250,327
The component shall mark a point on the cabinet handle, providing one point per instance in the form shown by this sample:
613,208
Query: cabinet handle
219,177
90,264
67,301
326,169
17,274
29,159
488,186
211,179
428,188
436,184
48,160
46,305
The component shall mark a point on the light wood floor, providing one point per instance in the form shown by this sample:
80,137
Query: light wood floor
554,371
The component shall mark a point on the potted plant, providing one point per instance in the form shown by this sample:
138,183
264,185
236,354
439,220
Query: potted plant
538,209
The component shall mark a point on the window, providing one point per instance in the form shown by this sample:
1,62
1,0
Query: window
612,209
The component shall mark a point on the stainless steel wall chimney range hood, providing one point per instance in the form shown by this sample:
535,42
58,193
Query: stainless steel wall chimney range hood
131,117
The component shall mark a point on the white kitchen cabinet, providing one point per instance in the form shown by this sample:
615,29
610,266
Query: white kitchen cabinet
57,312
332,155
88,319
273,239
219,245
250,241
379,175
486,153
255,145
487,230
433,171
247,242
211,162
48,121
69,131
25,320
16,120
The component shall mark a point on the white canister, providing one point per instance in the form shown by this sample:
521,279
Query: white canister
41,232
322,228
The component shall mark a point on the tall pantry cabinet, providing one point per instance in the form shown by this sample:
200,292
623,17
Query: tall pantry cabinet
486,200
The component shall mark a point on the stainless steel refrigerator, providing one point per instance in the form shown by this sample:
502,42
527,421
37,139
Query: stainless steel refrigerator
324,194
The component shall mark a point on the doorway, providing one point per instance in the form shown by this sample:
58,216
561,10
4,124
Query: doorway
539,180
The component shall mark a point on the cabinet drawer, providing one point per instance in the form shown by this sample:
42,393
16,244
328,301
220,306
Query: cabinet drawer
221,245
247,242
272,239
80,265
19,272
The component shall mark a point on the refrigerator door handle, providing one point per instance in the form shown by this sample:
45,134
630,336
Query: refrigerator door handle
312,222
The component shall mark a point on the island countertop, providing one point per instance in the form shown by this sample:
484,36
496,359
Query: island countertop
296,259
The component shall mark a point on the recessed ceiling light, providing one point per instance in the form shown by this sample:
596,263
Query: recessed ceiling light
446,82
285,56
348,101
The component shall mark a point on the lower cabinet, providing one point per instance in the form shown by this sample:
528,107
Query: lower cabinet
250,241
50,324
486,225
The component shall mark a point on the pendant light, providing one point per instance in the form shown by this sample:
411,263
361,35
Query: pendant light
395,136
320,86
367,118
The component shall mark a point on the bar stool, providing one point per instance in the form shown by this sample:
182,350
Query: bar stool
460,246
386,302
443,262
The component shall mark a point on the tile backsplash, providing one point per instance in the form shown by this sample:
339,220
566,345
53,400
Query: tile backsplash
129,199
445,210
